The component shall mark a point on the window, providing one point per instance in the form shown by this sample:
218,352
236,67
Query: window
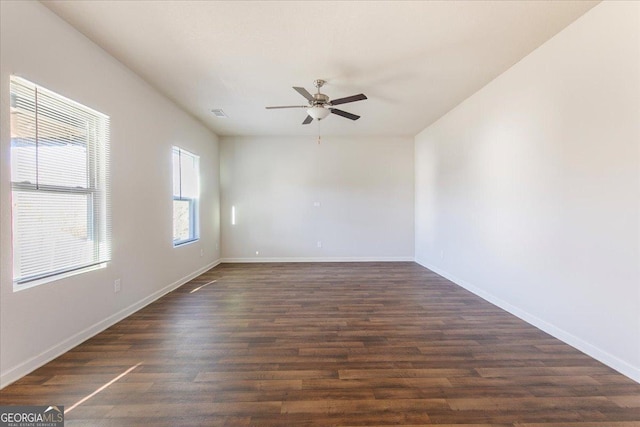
59,182
186,191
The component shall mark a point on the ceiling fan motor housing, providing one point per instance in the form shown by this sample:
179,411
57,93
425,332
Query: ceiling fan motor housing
319,99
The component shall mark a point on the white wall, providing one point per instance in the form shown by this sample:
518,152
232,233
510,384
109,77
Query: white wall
528,192
42,322
364,187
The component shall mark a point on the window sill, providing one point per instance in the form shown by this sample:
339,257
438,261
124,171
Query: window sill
21,287
185,242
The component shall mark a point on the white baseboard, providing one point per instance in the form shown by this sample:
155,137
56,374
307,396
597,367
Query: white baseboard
317,259
597,353
48,355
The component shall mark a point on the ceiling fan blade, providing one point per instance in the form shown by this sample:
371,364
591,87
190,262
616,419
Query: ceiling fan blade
302,91
287,106
344,114
308,120
353,98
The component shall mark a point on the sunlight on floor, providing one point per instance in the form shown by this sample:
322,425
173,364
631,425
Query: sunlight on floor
84,399
200,287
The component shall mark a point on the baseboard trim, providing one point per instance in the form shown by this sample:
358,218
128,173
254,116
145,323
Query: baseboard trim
316,259
597,353
48,355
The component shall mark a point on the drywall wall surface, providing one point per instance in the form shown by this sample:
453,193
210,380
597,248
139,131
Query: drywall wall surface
527,192
41,322
351,196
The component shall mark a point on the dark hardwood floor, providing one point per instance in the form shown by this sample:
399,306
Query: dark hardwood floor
335,344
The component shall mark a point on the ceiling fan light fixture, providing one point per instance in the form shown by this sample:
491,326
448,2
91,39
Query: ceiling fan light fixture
318,112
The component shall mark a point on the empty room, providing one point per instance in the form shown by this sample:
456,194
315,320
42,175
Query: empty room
320,213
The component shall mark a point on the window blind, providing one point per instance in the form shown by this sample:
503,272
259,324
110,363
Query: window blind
59,179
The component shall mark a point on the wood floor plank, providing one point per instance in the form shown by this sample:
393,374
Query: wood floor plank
327,344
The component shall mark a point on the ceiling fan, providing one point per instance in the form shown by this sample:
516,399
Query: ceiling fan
320,106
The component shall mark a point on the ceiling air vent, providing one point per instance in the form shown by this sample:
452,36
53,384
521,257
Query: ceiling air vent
219,113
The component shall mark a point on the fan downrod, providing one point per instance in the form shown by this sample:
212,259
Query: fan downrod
319,99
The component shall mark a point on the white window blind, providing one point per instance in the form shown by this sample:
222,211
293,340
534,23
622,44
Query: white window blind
59,179
186,192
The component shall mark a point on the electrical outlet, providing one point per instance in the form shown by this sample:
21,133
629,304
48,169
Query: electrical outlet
117,285
316,204
441,254
319,244
201,252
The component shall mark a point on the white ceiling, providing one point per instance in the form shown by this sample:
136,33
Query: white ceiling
415,60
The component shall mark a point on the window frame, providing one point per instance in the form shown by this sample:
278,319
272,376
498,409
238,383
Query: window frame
96,190
194,202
